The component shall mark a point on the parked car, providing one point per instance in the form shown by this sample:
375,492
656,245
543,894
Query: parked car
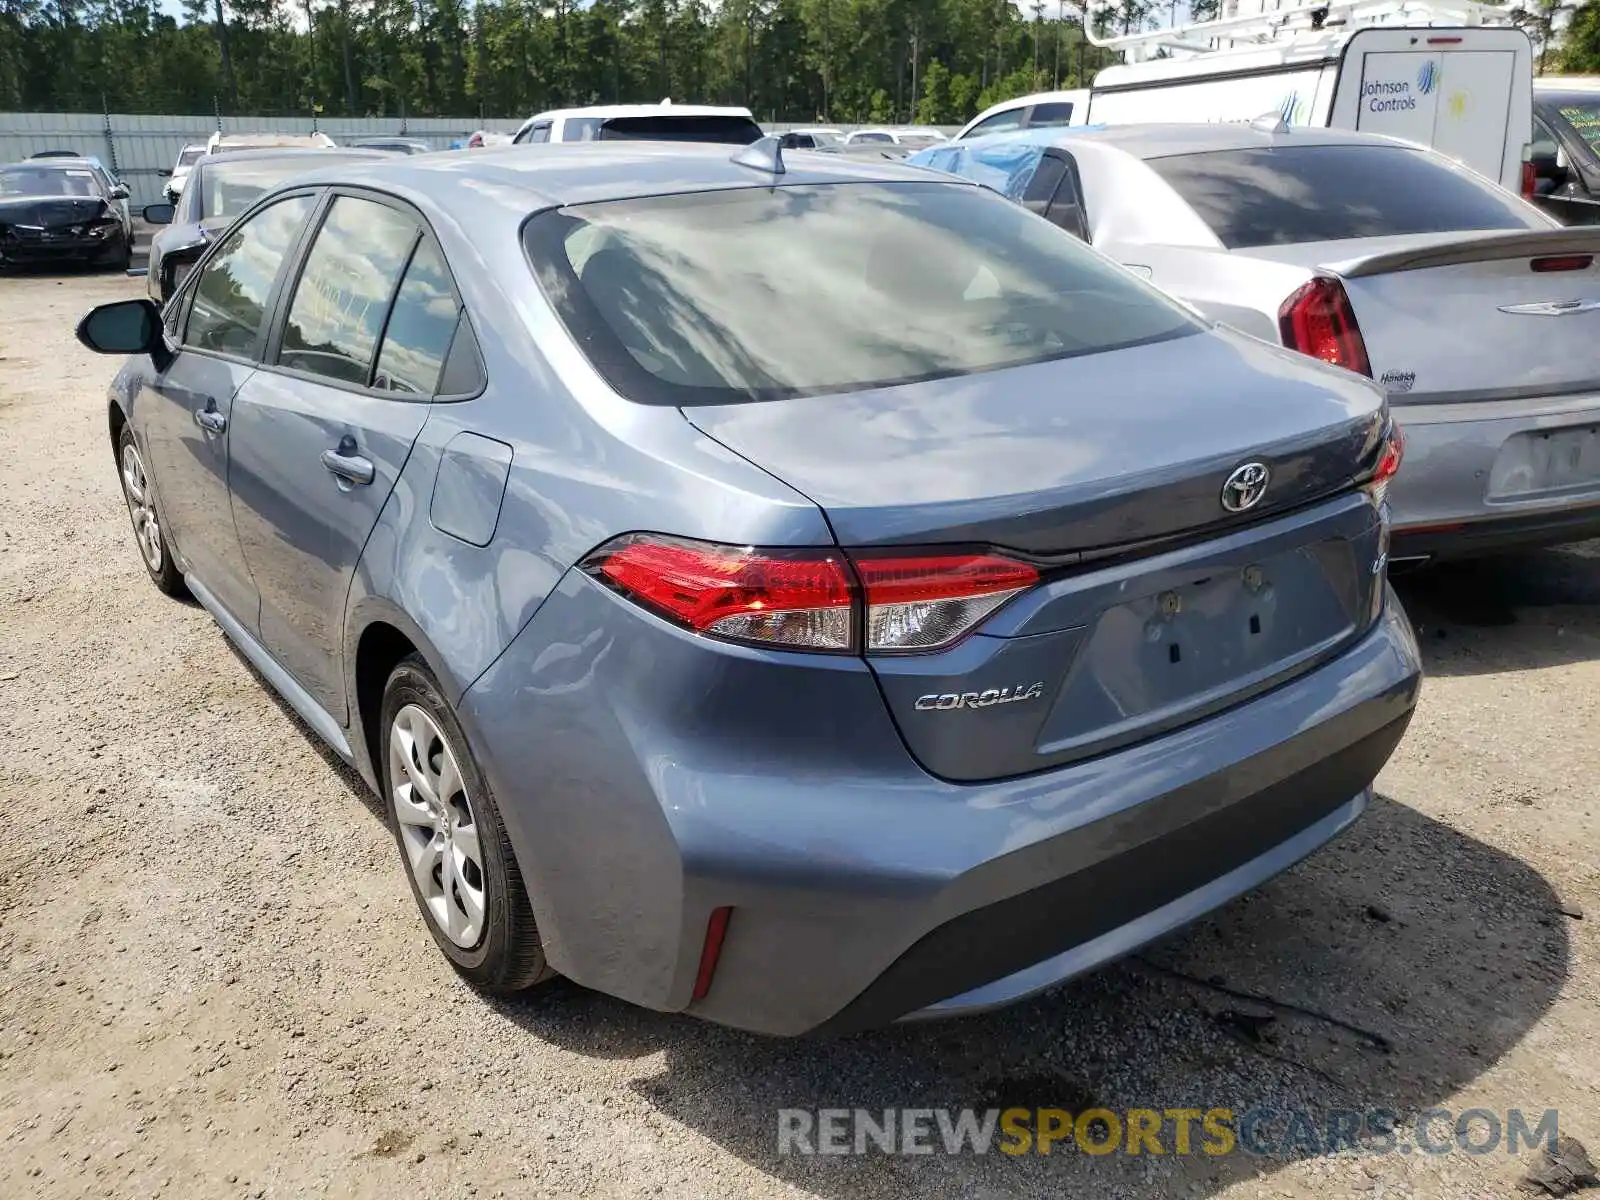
1478,313
225,143
187,157
395,145
889,606
812,138
911,139
653,122
63,210
1565,161
483,138
220,187
1040,110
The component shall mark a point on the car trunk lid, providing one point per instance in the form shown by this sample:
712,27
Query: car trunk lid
1157,605
1472,316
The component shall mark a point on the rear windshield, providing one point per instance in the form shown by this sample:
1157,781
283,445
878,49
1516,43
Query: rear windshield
229,186
762,293
732,131
1583,114
1278,197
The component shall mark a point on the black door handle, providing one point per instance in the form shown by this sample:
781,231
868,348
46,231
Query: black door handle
347,465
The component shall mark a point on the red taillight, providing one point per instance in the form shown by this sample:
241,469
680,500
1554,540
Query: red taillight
809,599
1530,180
716,932
1318,320
1562,262
922,601
800,598
1390,454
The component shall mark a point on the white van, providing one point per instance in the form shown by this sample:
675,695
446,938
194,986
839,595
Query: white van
1464,87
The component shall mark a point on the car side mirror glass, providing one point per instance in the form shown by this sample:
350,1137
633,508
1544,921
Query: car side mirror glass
122,327
159,214
119,191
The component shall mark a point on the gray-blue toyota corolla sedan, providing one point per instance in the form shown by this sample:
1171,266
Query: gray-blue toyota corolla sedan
802,594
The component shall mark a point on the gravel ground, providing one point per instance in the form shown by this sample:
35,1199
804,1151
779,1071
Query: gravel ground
213,981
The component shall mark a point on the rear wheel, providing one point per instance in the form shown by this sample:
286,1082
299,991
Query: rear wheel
453,846
148,531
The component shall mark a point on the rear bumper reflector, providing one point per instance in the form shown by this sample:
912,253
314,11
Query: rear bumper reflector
716,930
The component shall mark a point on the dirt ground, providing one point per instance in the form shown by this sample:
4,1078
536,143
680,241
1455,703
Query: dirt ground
213,981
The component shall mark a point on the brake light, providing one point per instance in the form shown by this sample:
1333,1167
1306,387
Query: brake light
923,602
1317,320
1390,455
1530,180
1562,262
812,599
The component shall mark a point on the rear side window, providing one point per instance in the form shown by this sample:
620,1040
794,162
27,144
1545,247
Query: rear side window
1582,113
1057,113
998,123
762,293
230,296
1291,194
418,335
344,291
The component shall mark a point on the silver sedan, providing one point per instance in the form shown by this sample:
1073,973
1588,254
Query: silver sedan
1478,313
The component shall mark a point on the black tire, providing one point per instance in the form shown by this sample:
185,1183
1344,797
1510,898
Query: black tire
122,257
165,575
508,955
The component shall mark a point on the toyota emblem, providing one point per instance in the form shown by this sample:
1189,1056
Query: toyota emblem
1245,487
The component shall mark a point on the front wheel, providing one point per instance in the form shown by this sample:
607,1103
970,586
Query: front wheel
453,846
154,549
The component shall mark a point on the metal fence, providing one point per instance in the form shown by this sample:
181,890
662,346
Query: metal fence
140,150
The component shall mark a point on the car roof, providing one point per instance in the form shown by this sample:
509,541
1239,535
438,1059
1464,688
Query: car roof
645,110
1161,141
56,161
521,179
1567,83
311,153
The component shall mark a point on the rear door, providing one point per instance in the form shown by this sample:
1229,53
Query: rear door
184,415
322,432
1467,93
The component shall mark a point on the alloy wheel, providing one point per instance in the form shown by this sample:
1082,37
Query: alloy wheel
437,828
141,507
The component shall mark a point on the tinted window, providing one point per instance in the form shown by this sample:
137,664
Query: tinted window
344,291
1041,188
759,293
420,327
732,131
998,123
1278,197
1058,113
231,294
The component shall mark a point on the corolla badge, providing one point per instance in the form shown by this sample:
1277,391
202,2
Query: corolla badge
943,702
1245,487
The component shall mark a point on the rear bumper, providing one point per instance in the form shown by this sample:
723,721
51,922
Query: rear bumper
1451,499
864,890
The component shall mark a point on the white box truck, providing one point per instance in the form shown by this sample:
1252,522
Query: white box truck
1458,79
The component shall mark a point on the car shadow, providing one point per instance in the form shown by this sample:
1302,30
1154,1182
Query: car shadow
1510,612
1385,973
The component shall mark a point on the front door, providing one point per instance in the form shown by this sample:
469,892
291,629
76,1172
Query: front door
320,439
183,416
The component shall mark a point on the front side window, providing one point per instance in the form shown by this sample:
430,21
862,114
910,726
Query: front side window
539,133
762,293
230,297
1582,115
345,288
1291,194
998,123
420,328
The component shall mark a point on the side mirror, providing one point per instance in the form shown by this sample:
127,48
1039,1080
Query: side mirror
119,191
125,327
159,214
